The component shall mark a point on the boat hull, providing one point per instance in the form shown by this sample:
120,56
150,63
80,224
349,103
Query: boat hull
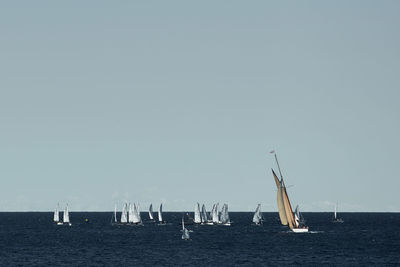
300,230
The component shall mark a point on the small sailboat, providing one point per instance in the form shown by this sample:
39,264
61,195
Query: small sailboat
56,217
160,218
134,215
215,214
257,217
197,215
66,217
114,217
204,216
185,232
151,217
224,218
286,214
124,214
336,219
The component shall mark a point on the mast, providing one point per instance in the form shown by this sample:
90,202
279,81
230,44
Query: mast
279,168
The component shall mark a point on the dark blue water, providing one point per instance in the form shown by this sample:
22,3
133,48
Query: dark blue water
363,239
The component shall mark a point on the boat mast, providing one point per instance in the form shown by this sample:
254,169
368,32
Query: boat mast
279,168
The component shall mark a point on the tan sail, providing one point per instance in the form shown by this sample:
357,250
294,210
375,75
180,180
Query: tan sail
288,209
281,207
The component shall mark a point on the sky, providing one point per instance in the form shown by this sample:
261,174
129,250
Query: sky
105,102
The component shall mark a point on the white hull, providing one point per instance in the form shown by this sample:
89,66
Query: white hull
300,230
226,224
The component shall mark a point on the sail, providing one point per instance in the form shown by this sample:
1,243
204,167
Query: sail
185,232
160,213
288,209
66,215
124,218
204,218
151,212
335,212
130,213
215,217
224,214
281,207
257,215
135,217
197,217
56,217
115,213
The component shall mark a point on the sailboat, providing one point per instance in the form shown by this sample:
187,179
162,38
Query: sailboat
257,217
56,217
134,214
160,219
197,215
151,213
335,218
286,214
215,215
114,218
66,216
185,232
124,214
204,216
224,218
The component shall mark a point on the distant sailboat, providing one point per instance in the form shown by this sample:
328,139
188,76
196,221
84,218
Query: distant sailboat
136,218
286,214
56,217
224,218
185,232
257,217
151,213
66,216
114,220
124,214
336,219
204,216
215,215
160,218
197,215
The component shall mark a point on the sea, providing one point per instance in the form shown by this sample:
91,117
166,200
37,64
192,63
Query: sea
364,239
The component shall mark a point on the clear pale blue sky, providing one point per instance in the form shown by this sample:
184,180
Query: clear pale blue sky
180,101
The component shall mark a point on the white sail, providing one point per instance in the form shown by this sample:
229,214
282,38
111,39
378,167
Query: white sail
257,215
335,212
215,217
185,232
130,213
124,217
56,217
197,216
135,214
204,218
151,212
115,213
225,215
160,213
66,215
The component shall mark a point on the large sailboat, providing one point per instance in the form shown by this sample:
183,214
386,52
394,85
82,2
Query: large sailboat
257,217
204,216
286,214
215,214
